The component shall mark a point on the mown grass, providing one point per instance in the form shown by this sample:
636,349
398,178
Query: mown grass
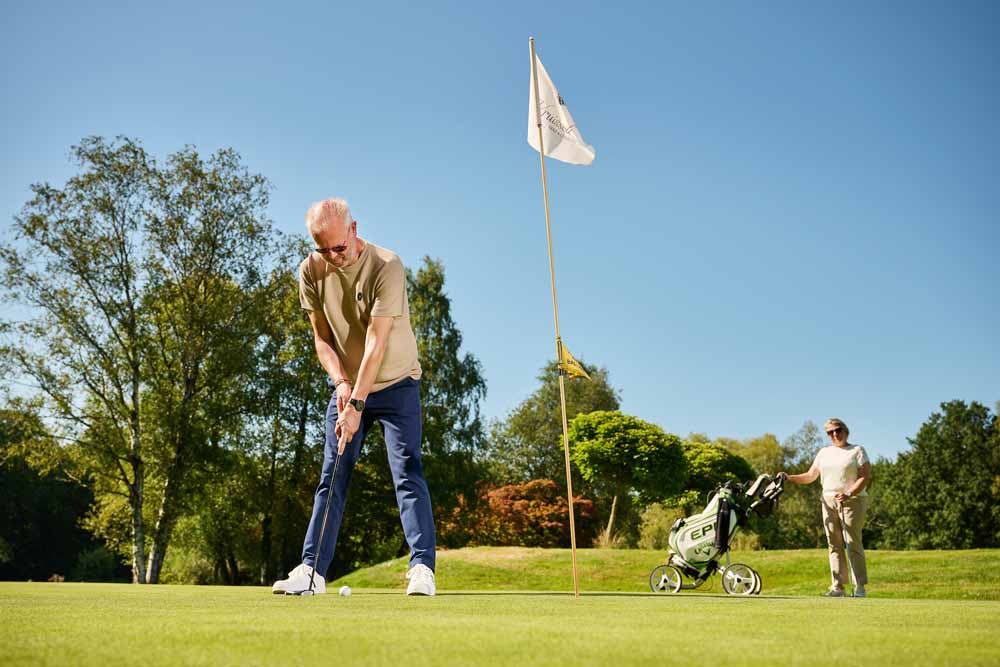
109,625
931,575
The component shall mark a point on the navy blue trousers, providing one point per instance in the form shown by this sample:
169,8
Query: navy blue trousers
397,408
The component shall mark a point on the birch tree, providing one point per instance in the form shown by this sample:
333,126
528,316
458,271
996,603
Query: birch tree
75,264
144,291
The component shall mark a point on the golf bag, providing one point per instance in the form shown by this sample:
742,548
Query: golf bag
698,542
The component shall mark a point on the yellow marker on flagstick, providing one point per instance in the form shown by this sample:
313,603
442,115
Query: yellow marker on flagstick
570,366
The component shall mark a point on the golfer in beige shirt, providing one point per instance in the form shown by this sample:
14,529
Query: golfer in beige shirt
355,294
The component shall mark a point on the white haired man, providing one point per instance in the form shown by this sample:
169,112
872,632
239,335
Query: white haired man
355,294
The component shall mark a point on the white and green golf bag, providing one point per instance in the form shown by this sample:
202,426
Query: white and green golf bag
698,542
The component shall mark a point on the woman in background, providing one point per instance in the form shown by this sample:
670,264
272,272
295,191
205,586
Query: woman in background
845,472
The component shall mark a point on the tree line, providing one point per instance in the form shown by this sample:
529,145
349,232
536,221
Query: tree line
163,407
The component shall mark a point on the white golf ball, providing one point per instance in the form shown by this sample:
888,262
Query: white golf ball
345,590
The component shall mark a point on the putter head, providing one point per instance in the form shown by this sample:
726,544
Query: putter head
304,593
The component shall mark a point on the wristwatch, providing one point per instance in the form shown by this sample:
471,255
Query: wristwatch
357,404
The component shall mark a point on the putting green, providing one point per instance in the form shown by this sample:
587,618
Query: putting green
108,624
943,575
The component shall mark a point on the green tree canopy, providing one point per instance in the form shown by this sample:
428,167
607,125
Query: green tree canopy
451,389
40,507
764,453
708,465
76,263
624,454
528,443
145,284
801,447
452,384
943,492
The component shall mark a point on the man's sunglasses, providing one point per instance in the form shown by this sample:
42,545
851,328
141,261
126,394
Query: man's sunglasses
338,248
836,431
333,249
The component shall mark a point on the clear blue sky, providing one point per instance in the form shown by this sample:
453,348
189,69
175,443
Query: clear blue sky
793,213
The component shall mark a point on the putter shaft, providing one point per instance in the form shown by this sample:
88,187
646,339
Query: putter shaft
326,514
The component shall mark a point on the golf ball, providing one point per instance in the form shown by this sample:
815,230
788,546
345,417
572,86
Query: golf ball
345,590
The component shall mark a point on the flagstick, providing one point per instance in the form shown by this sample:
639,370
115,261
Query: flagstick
555,314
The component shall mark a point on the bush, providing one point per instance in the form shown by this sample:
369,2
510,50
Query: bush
184,565
654,529
745,540
532,514
96,564
616,541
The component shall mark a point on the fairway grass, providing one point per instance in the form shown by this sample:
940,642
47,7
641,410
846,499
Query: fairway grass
933,575
119,624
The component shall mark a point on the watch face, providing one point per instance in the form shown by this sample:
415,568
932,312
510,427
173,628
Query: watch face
358,404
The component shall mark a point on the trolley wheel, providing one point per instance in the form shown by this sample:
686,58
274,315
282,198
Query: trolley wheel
665,579
756,589
739,579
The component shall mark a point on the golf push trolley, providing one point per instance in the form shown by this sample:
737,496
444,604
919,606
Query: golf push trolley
699,541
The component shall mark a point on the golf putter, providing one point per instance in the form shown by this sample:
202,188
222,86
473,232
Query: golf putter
847,550
322,528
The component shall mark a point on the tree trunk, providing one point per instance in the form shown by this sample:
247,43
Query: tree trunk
167,516
136,492
165,521
266,565
234,568
611,522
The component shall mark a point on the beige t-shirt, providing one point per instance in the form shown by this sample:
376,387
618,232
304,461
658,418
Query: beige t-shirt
839,466
374,286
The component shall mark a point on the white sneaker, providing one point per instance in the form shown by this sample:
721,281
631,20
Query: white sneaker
298,581
421,580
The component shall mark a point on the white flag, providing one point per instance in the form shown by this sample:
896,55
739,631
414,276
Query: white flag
559,133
